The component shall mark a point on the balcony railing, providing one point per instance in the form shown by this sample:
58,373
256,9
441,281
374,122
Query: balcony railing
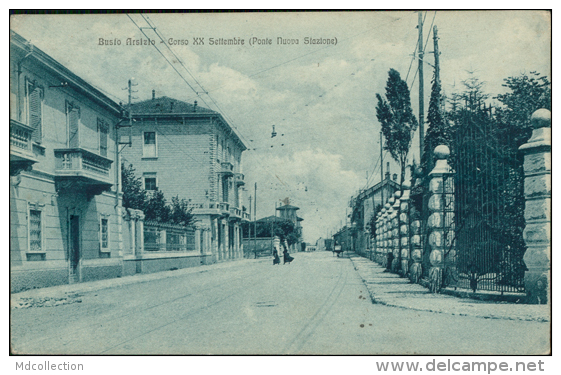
234,211
239,179
218,208
76,162
227,168
21,146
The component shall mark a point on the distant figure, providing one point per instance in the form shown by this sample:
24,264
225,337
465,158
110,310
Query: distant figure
276,259
286,256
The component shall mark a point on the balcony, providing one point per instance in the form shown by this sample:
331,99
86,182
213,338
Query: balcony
235,213
227,169
239,179
21,151
210,208
76,168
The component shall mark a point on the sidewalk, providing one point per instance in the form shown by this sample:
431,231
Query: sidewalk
392,290
71,293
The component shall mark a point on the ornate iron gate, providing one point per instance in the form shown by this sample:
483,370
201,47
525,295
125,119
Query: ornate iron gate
489,241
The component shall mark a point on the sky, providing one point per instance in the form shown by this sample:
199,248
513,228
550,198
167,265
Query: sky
319,97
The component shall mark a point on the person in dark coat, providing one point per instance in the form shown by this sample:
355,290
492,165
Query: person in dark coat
276,259
286,257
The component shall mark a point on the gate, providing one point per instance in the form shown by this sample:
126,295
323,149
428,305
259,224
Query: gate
489,205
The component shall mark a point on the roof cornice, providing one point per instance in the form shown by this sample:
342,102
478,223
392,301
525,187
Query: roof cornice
64,73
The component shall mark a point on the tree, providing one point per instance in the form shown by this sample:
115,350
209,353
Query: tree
180,212
473,94
134,196
156,208
396,116
528,93
439,131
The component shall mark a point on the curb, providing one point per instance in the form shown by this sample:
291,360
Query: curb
455,300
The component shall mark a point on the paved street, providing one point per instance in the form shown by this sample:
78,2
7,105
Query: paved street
316,305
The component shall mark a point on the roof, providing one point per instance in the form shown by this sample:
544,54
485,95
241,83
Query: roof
269,219
299,218
288,207
70,79
164,104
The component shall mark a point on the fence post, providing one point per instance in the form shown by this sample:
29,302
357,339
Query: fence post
537,213
404,228
380,237
437,220
396,248
416,270
389,233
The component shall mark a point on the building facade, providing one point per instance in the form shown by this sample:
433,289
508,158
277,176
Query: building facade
364,207
65,201
191,152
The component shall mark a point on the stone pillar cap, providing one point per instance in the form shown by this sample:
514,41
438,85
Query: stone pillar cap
441,152
541,118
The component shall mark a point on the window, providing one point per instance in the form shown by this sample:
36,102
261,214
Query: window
150,181
104,234
35,231
35,110
103,131
73,120
149,150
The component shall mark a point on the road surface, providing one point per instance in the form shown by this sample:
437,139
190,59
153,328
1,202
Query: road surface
316,305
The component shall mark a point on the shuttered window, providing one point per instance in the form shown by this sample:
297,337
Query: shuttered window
103,131
35,231
73,116
149,149
35,108
104,234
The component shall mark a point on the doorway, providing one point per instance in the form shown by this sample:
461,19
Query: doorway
74,273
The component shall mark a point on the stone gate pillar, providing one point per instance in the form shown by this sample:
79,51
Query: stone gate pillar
396,247
404,228
439,187
537,191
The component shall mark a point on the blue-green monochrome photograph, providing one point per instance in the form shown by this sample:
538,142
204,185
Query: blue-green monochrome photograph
280,183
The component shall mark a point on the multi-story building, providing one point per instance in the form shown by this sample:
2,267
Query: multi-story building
365,205
192,152
65,205
288,212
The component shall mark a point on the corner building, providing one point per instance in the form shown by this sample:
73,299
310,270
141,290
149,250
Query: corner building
191,152
65,201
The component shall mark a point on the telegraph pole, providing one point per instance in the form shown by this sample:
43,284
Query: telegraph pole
436,62
255,220
381,168
421,89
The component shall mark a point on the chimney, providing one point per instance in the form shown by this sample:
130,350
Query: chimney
195,107
387,174
153,94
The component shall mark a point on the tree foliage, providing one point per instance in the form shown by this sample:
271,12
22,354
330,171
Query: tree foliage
154,204
439,130
282,228
134,196
527,94
396,117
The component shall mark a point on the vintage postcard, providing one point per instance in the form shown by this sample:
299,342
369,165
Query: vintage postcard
281,183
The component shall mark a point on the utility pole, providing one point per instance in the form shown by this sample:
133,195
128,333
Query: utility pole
255,220
436,62
381,167
421,89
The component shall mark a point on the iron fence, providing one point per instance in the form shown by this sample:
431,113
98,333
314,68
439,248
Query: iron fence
488,205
